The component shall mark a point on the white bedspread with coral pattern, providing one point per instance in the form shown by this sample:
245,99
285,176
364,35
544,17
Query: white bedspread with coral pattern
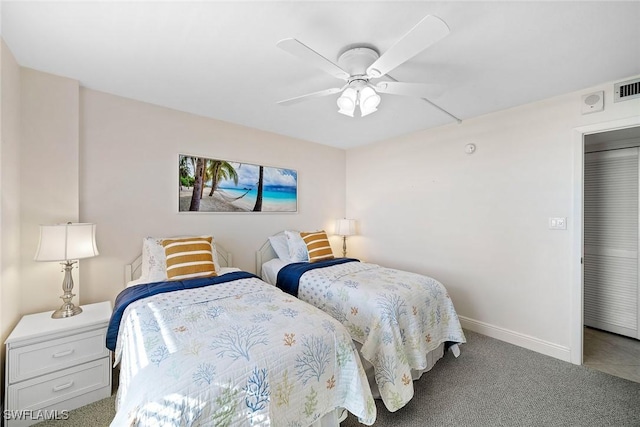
237,353
397,316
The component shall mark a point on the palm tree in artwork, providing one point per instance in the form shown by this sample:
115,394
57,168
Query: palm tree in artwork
184,170
205,178
258,205
219,170
197,185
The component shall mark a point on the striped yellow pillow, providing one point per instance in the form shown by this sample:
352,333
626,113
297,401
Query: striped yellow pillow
189,257
317,245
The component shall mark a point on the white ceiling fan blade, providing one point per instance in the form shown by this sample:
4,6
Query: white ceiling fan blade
318,94
424,34
417,90
308,55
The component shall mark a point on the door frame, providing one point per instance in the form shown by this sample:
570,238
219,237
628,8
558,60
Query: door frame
577,231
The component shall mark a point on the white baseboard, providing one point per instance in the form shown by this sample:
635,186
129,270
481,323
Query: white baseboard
516,338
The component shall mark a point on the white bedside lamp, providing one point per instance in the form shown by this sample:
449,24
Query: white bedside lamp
344,228
68,243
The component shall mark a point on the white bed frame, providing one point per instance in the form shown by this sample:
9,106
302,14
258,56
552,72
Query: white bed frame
134,270
264,254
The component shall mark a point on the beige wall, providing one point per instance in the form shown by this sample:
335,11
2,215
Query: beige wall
479,223
48,178
128,173
10,284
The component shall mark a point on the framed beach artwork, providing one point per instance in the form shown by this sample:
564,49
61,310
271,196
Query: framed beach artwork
214,185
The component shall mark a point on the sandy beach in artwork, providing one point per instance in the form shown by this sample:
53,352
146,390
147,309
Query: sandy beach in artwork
221,202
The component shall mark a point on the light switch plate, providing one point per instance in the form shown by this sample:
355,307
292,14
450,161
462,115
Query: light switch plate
557,223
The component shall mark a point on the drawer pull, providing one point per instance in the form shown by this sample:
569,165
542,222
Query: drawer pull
63,353
63,386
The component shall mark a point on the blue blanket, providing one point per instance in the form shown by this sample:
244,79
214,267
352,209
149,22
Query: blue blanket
137,292
289,275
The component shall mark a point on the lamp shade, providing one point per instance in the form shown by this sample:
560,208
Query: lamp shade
347,102
369,101
346,227
62,242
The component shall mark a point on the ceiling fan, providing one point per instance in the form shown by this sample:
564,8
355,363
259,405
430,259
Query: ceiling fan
358,66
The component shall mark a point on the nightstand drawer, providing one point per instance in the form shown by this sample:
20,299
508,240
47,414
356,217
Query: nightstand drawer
42,358
50,390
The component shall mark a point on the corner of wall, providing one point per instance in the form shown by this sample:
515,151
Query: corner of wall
9,206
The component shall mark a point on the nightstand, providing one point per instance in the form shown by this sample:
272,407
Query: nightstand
56,365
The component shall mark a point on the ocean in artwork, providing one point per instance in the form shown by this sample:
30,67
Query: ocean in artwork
274,198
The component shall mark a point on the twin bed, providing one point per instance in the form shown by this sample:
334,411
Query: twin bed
243,352
401,322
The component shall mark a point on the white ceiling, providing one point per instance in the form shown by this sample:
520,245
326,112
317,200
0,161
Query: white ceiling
219,59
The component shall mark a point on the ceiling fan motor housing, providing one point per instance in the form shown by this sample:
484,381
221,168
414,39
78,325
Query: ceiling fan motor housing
356,61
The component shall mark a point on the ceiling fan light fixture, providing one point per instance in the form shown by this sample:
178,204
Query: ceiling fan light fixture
369,98
347,102
369,101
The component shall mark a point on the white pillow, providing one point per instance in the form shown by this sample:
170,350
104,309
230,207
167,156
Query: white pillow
270,270
280,245
297,247
154,261
154,265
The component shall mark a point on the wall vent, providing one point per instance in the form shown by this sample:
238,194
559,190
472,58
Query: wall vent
626,90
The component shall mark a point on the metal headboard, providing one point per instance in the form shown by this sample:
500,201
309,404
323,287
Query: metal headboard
264,254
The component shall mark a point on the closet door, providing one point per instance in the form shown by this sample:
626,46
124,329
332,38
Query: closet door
611,241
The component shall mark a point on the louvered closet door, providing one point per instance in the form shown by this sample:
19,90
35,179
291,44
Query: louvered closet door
611,241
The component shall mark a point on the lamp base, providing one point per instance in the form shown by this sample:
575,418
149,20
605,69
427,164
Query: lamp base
67,310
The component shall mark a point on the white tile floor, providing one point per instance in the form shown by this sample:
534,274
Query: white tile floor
614,354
